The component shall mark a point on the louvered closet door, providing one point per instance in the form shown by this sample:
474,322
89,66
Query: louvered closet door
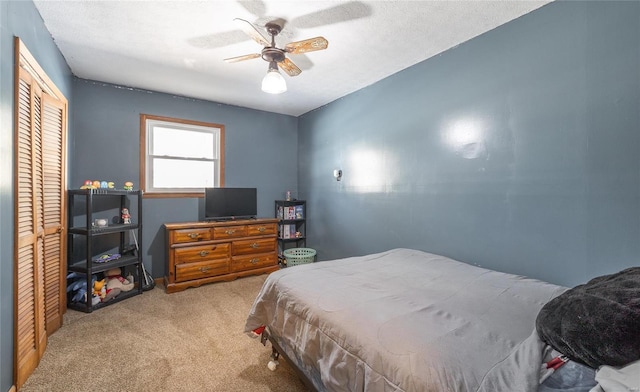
30,328
40,250
53,142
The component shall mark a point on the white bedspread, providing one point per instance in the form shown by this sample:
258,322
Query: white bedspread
406,320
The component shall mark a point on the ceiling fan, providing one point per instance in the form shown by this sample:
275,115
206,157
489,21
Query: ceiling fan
273,82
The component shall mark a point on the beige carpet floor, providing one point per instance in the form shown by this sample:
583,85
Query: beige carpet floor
187,341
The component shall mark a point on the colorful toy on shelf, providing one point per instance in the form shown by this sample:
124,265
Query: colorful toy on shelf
128,186
100,289
126,217
116,283
106,257
88,184
77,285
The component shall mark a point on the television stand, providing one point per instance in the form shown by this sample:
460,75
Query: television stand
207,252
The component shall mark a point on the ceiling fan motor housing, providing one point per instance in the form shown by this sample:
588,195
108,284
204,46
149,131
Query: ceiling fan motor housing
271,53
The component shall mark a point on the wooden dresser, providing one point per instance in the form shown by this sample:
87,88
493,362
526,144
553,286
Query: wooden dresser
205,252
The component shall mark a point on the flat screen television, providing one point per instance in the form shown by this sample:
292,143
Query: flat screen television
230,203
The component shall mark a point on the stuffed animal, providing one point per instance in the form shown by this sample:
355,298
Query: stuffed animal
99,288
77,286
116,281
111,294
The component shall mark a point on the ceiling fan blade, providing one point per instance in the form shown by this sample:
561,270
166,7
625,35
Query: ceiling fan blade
289,67
254,7
307,45
217,40
340,13
252,32
242,58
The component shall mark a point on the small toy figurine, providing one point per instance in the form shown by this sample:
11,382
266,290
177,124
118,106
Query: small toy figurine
128,185
126,218
87,185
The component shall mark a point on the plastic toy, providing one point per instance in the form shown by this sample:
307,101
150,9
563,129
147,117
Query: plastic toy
106,257
88,184
126,217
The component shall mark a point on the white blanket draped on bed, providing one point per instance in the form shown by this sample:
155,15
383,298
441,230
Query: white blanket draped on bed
406,320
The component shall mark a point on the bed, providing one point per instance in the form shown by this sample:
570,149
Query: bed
405,320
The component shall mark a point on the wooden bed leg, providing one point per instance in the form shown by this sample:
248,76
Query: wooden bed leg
273,363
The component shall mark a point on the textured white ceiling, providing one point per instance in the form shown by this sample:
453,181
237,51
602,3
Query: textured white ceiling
178,46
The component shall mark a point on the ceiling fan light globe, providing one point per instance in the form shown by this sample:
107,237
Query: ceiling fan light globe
273,82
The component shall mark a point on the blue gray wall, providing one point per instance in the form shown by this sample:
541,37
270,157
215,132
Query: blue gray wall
260,151
516,151
17,18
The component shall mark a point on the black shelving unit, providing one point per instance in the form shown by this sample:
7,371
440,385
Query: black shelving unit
286,222
83,238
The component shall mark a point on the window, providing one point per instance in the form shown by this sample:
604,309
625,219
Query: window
180,158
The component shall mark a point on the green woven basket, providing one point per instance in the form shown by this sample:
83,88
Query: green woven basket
296,256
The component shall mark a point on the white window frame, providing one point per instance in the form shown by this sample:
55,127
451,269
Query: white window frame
147,125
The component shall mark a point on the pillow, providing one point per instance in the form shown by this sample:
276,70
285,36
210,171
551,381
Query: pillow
597,323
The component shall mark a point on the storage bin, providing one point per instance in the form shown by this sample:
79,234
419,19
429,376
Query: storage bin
296,256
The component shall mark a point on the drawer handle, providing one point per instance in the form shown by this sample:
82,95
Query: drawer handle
204,253
204,270
194,235
229,232
262,229
255,245
254,261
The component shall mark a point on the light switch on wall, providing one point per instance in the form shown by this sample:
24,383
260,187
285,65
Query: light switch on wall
337,173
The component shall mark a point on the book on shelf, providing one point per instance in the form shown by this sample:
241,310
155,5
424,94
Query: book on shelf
288,230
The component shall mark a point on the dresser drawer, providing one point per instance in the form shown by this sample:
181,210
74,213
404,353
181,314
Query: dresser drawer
203,269
246,247
190,235
266,229
222,233
243,263
197,253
